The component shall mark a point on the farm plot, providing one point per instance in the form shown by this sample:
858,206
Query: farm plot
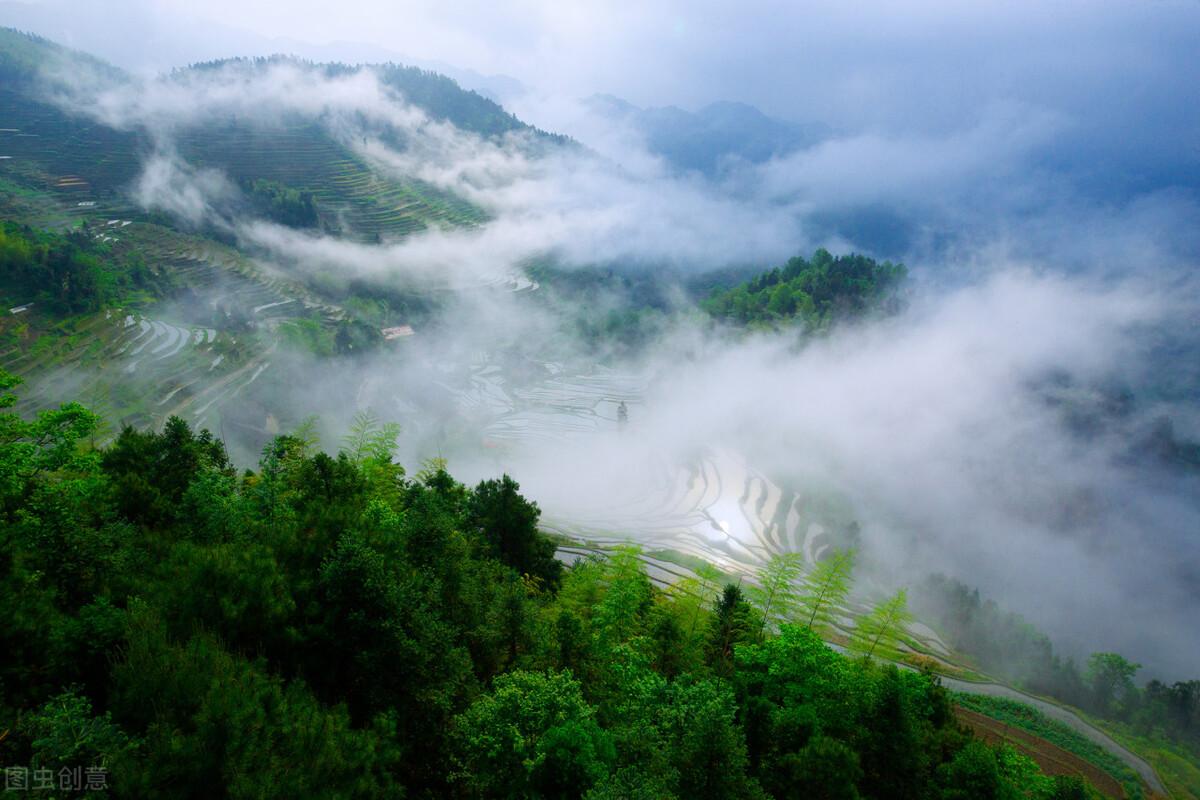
188,357
85,158
1062,727
353,199
1052,759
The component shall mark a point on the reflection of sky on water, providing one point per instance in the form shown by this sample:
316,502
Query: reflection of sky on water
556,428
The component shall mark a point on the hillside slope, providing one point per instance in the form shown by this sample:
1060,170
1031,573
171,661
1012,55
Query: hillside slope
46,144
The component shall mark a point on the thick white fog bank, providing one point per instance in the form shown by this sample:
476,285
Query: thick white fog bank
565,202
995,183
935,427
939,427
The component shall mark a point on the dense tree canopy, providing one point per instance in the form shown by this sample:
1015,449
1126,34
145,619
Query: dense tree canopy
330,626
813,292
69,273
286,205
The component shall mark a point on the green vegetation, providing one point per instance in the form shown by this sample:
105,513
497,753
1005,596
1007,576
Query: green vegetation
68,273
22,55
437,95
828,586
613,312
443,99
330,626
814,293
81,161
880,630
351,198
1002,642
1030,719
283,204
1158,721
1010,647
777,594
322,338
1175,766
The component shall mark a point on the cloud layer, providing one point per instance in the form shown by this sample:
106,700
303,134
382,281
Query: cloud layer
1037,168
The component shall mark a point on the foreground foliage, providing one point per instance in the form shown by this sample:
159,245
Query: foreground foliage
332,627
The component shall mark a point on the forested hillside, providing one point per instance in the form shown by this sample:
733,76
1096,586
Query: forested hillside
330,626
812,292
219,581
306,173
1105,685
69,273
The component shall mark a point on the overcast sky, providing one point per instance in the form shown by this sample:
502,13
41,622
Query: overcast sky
917,64
1069,131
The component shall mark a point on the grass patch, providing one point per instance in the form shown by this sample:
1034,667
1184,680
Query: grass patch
308,335
1178,768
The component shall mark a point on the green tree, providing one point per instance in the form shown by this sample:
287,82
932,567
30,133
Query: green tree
509,524
824,769
708,748
884,625
733,623
776,593
64,733
972,775
695,593
532,735
151,472
32,450
381,644
827,587
1110,678
895,759
627,597
369,439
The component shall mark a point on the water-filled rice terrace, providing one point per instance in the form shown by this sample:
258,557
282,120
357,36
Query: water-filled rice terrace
717,507
188,357
714,507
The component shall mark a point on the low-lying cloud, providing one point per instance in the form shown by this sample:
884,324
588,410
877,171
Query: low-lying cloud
934,424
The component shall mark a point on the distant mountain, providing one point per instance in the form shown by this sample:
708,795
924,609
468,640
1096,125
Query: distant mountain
48,145
134,36
706,139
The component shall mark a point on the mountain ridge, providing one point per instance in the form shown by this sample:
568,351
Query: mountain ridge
703,140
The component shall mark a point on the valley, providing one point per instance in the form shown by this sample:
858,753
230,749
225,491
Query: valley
250,263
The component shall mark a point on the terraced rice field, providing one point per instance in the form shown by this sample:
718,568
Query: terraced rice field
137,370
187,359
86,163
87,158
1050,720
352,198
227,277
714,507
717,507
